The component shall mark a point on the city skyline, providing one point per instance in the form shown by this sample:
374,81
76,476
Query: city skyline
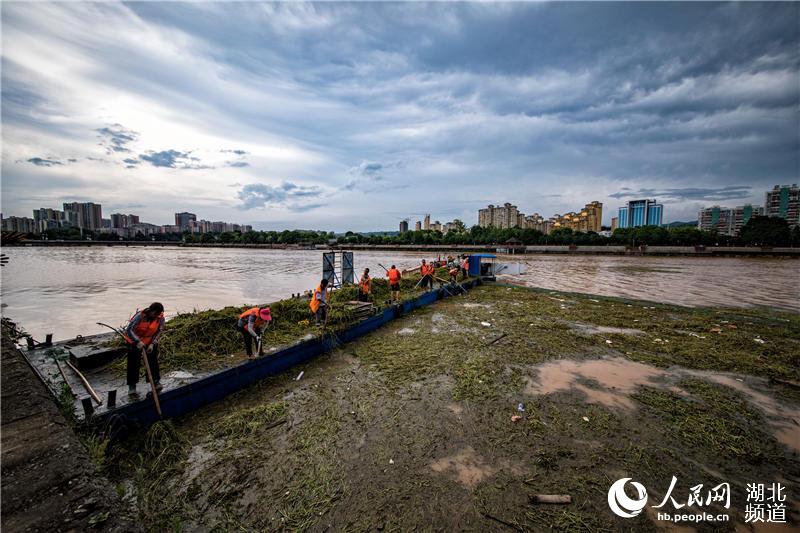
245,112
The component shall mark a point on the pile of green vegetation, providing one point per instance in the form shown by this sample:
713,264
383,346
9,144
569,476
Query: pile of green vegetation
208,340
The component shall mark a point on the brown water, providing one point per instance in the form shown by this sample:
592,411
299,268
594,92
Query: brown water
65,291
613,381
692,281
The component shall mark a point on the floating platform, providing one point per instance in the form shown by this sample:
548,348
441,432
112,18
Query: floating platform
185,392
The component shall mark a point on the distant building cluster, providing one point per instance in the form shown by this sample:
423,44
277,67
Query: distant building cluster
508,216
726,221
426,224
89,216
783,201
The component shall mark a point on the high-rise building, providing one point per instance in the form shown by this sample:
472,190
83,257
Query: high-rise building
20,224
741,214
427,224
784,201
46,218
592,215
86,215
418,226
499,217
726,221
614,223
641,213
182,220
403,226
119,220
589,219
715,218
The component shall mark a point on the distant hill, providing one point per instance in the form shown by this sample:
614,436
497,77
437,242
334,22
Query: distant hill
693,223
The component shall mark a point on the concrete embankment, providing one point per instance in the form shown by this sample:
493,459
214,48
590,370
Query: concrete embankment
49,482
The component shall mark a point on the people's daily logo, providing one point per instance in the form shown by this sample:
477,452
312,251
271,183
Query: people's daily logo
621,503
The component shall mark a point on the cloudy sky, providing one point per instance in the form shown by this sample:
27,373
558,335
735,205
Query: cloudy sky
354,116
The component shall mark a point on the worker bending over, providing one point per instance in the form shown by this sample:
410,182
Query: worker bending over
319,303
453,273
364,286
426,271
141,335
252,324
394,283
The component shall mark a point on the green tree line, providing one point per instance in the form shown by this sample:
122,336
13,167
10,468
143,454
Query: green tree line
759,231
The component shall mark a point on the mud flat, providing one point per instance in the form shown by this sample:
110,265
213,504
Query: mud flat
411,426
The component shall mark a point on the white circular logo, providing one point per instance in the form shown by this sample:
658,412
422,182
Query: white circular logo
621,504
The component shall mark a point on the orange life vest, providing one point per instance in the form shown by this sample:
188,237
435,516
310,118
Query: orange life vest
427,270
245,317
394,275
364,284
146,330
314,301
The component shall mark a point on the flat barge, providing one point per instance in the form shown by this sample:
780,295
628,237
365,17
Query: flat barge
184,391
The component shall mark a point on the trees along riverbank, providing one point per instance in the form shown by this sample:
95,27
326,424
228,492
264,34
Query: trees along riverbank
759,231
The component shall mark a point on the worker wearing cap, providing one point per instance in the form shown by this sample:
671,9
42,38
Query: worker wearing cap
319,303
142,334
252,324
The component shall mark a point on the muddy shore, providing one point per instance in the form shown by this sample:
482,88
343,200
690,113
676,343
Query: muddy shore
411,426
49,480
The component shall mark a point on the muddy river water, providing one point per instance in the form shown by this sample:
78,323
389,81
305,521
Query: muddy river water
65,291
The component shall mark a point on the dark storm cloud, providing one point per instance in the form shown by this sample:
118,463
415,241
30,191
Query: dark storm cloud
115,138
173,159
42,162
287,193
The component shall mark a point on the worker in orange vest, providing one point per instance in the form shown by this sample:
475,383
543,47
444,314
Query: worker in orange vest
394,283
142,334
252,324
453,272
426,270
319,303
465,267
364,286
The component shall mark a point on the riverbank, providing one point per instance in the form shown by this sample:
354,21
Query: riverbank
685,251
411,426
49,481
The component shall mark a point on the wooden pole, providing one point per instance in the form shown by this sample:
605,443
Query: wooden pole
152,383
63,376
86,384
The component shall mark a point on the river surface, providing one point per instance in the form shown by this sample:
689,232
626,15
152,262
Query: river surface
65,291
